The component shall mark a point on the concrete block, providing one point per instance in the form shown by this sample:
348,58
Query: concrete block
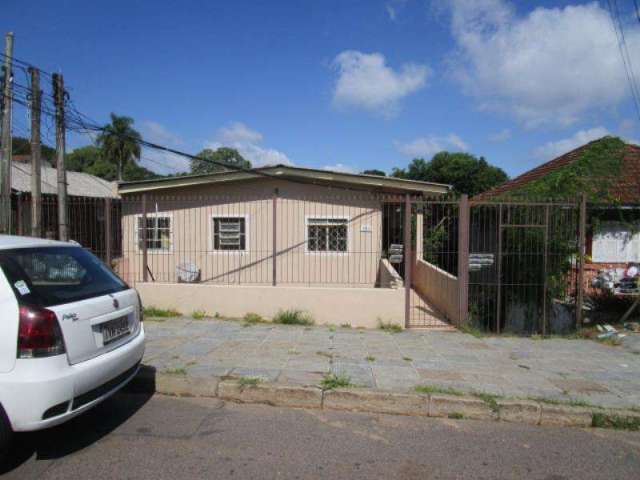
182,385
466,407
519,411
376,401
565,416
278,395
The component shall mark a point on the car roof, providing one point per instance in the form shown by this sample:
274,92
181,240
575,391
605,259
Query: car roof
14,241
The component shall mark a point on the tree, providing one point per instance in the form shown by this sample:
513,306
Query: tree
223,155
22,146
120,142
466,173
90,159
375,171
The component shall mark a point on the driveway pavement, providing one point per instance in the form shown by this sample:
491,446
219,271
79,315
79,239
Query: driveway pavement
557,369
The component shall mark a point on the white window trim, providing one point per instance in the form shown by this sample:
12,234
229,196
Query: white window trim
154,251
325,217
211,250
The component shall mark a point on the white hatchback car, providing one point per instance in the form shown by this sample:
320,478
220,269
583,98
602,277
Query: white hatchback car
71,333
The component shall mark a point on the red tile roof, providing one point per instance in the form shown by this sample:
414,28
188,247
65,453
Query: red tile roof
625,189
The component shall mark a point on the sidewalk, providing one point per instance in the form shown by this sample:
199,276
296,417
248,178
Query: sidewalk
555,369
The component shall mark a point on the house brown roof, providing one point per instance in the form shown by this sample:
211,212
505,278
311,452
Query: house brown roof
626,188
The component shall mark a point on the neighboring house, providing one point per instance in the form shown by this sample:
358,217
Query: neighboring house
87,202
611,243
280,225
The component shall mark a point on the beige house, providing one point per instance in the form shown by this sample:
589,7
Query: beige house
334,234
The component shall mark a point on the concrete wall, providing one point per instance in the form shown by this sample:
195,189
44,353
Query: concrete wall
437,287
359,307
388,277
191,211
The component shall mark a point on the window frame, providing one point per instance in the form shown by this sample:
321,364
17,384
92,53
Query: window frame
347,224
212,232
155,251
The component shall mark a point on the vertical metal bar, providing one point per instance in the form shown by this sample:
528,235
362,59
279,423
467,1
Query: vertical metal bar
143,239
499,272
463,259
581,254
19,224
407,260
107,231
274,254
545,257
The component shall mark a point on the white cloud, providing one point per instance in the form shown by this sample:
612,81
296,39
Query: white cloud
366,81
549,67
248,142
157,133
391,11
554,149
339,167
428,146
501,136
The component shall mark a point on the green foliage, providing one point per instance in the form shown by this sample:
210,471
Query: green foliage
159,312
224,155
618,422
22,146
466,173
253,318
375,171
120,143
293,317
198,314
249,381
456,416
175,371
389,327
332,380
436,389
489,399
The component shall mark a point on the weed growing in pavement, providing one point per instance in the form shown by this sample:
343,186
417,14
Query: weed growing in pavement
159,312
332,380
293,317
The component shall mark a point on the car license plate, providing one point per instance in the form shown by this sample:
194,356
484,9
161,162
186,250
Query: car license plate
115,329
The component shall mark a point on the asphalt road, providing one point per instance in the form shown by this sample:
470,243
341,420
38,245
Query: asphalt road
136,436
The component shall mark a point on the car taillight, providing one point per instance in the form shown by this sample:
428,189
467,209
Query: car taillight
140,308
39,334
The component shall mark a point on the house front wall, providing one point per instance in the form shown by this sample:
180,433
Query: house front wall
188,242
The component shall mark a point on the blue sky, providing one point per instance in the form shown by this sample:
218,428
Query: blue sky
338,83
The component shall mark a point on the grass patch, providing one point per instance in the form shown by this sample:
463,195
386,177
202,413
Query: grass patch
332,328
617,422
407,359
159,312
345,325
568,403
253,318
389,327
293,351
249,381
198,314
490,399
436,389
324,354
371,359
471,329
455,416
175,371
293,317
331,381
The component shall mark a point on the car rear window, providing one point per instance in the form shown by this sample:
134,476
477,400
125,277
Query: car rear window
48,276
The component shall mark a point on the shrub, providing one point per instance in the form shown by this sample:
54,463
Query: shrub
198,314
332,380
253,318
293,317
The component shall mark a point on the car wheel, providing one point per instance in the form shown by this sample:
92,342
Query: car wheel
5,435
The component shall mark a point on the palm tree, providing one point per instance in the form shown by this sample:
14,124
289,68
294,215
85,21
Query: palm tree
120,142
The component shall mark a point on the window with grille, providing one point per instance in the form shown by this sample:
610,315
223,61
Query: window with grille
229,233
158,231
327,234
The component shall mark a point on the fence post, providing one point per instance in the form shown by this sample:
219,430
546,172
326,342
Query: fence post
463,259
407,260
582,234
274,253
107,231
499,272
545,258
145,267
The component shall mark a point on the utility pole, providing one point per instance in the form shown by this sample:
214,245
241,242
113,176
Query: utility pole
36,187
58,95
5,138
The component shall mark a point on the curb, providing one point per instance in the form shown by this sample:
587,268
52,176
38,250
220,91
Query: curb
378,401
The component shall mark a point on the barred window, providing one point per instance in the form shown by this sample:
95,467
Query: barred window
327,234
229,233
158,232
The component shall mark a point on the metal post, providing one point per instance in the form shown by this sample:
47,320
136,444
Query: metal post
107,231
143,239
36,171
274,253
582,235
407,260
59,97
545,257
5,138
463,259
499,272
